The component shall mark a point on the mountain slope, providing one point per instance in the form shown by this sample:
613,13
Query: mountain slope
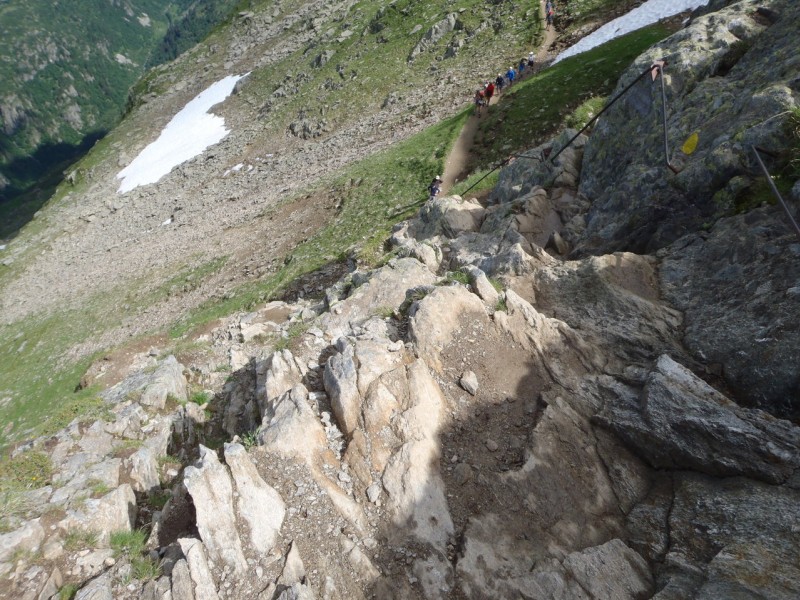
65,71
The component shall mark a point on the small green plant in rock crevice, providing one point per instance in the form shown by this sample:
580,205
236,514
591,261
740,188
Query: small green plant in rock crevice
455,277
131,545
67,592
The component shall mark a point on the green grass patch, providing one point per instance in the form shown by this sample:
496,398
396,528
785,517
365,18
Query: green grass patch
456,277
534,110
80,539
131,545
484,179
67,592
26,471
585,112
200,397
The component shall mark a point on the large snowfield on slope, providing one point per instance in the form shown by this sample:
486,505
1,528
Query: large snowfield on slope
188,134
642,16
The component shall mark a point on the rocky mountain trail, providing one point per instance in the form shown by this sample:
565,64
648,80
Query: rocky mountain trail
490,413
479,417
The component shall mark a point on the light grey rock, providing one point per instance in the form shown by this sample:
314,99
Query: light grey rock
297,591
294,431
374,492
469,381
367,572
27,538
51,586
167,380
439,317
94,562
116,511
100,588
258,503
680,422
199,571
612,570
387,288
143,470
416,499
433,35
211,489
483,287
293,569
182,585
341,384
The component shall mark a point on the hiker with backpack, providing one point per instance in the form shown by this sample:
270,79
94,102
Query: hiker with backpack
499,83
488,91
480,101
549,11
531,60
435,187
510,75
522,65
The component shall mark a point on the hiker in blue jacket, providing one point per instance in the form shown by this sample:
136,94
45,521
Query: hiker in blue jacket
511,74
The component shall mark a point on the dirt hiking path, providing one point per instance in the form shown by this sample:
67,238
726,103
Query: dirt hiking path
458,159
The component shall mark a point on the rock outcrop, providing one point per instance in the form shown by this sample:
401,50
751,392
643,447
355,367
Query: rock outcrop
552,428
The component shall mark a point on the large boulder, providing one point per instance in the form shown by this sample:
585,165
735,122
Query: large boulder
211,489
739,288
681,422
729,77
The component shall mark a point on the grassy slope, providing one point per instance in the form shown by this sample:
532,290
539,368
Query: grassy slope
40,375
536,108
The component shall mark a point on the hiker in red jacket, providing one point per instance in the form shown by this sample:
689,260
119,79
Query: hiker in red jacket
489,92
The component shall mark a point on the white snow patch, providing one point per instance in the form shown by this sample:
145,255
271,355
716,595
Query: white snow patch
144,20
188,134
642,16
123,60
2,246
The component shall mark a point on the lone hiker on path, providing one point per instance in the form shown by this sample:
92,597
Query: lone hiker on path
435,187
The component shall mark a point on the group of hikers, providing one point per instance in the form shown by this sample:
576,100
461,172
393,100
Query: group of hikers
484,94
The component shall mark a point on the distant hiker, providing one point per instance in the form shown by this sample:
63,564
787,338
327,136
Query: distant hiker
499,82
489,92
435,187
480,101
522,64
531,60
550,11
510,75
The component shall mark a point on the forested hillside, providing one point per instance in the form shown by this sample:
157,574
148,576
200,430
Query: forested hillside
65,71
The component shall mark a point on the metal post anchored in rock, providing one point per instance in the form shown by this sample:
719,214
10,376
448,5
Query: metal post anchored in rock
774,188
654,70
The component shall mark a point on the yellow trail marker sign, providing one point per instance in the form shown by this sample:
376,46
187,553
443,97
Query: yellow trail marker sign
690,145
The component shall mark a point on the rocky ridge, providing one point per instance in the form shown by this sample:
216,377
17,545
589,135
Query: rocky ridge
482,416
426,437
